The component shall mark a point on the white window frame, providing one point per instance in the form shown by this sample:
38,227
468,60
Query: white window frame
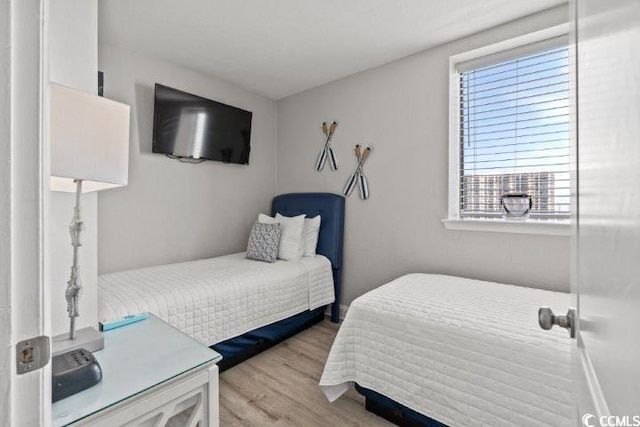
476,58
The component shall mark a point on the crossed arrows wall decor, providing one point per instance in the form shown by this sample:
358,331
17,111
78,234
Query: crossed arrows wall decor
357,178
327,150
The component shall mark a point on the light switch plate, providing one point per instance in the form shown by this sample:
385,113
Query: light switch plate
32,354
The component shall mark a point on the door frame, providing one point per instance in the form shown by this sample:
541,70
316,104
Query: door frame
24,294
588,395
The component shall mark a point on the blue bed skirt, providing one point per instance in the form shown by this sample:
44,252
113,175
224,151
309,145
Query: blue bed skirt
245,346
395,412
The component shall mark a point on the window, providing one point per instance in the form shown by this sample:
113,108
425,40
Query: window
513,131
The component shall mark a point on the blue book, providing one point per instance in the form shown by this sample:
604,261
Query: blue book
126,320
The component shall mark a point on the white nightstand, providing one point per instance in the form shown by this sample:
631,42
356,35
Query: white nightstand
152,374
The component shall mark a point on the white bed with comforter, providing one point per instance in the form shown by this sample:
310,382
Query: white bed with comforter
216,299
462,352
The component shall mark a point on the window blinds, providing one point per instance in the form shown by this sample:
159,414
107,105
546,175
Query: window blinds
514,134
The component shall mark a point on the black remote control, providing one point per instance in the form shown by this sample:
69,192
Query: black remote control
73,372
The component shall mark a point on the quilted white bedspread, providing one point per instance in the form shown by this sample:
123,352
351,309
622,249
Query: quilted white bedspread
463,352
216,299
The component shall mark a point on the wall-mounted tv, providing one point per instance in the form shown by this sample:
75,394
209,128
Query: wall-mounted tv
187,126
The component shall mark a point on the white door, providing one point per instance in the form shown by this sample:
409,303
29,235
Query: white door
606,268
24,398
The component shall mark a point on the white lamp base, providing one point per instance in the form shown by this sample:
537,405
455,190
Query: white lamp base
88,338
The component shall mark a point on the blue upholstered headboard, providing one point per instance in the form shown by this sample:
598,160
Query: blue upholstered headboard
331,209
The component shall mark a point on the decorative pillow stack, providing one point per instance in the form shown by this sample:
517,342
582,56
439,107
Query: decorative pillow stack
264,241
299,235
290,247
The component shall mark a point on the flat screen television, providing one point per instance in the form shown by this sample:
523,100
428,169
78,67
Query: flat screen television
187,126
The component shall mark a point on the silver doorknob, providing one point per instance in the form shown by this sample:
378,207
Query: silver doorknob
546,320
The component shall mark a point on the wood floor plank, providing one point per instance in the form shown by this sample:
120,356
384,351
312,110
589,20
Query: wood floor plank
237,410
279,388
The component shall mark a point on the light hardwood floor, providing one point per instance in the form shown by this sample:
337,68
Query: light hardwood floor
279,387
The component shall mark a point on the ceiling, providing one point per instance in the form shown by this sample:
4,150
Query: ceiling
278,48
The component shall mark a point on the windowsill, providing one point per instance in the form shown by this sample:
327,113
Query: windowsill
559,228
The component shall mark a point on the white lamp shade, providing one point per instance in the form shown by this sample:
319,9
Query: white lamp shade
89,141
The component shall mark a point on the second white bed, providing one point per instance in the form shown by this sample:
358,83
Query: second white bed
219,298
463,352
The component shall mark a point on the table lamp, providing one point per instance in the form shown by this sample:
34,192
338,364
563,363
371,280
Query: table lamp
89,152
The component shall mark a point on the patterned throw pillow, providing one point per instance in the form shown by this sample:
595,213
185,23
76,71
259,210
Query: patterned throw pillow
263,242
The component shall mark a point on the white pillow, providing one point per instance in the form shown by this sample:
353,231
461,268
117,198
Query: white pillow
310,233
291,247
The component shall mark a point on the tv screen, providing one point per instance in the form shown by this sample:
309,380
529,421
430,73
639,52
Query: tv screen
189,126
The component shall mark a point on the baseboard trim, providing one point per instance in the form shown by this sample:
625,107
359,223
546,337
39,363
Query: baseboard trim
593,385
343,311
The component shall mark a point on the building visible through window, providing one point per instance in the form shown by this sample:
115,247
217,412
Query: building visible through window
514,124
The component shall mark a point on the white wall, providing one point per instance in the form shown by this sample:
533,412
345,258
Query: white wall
402,110
73,62
172,211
